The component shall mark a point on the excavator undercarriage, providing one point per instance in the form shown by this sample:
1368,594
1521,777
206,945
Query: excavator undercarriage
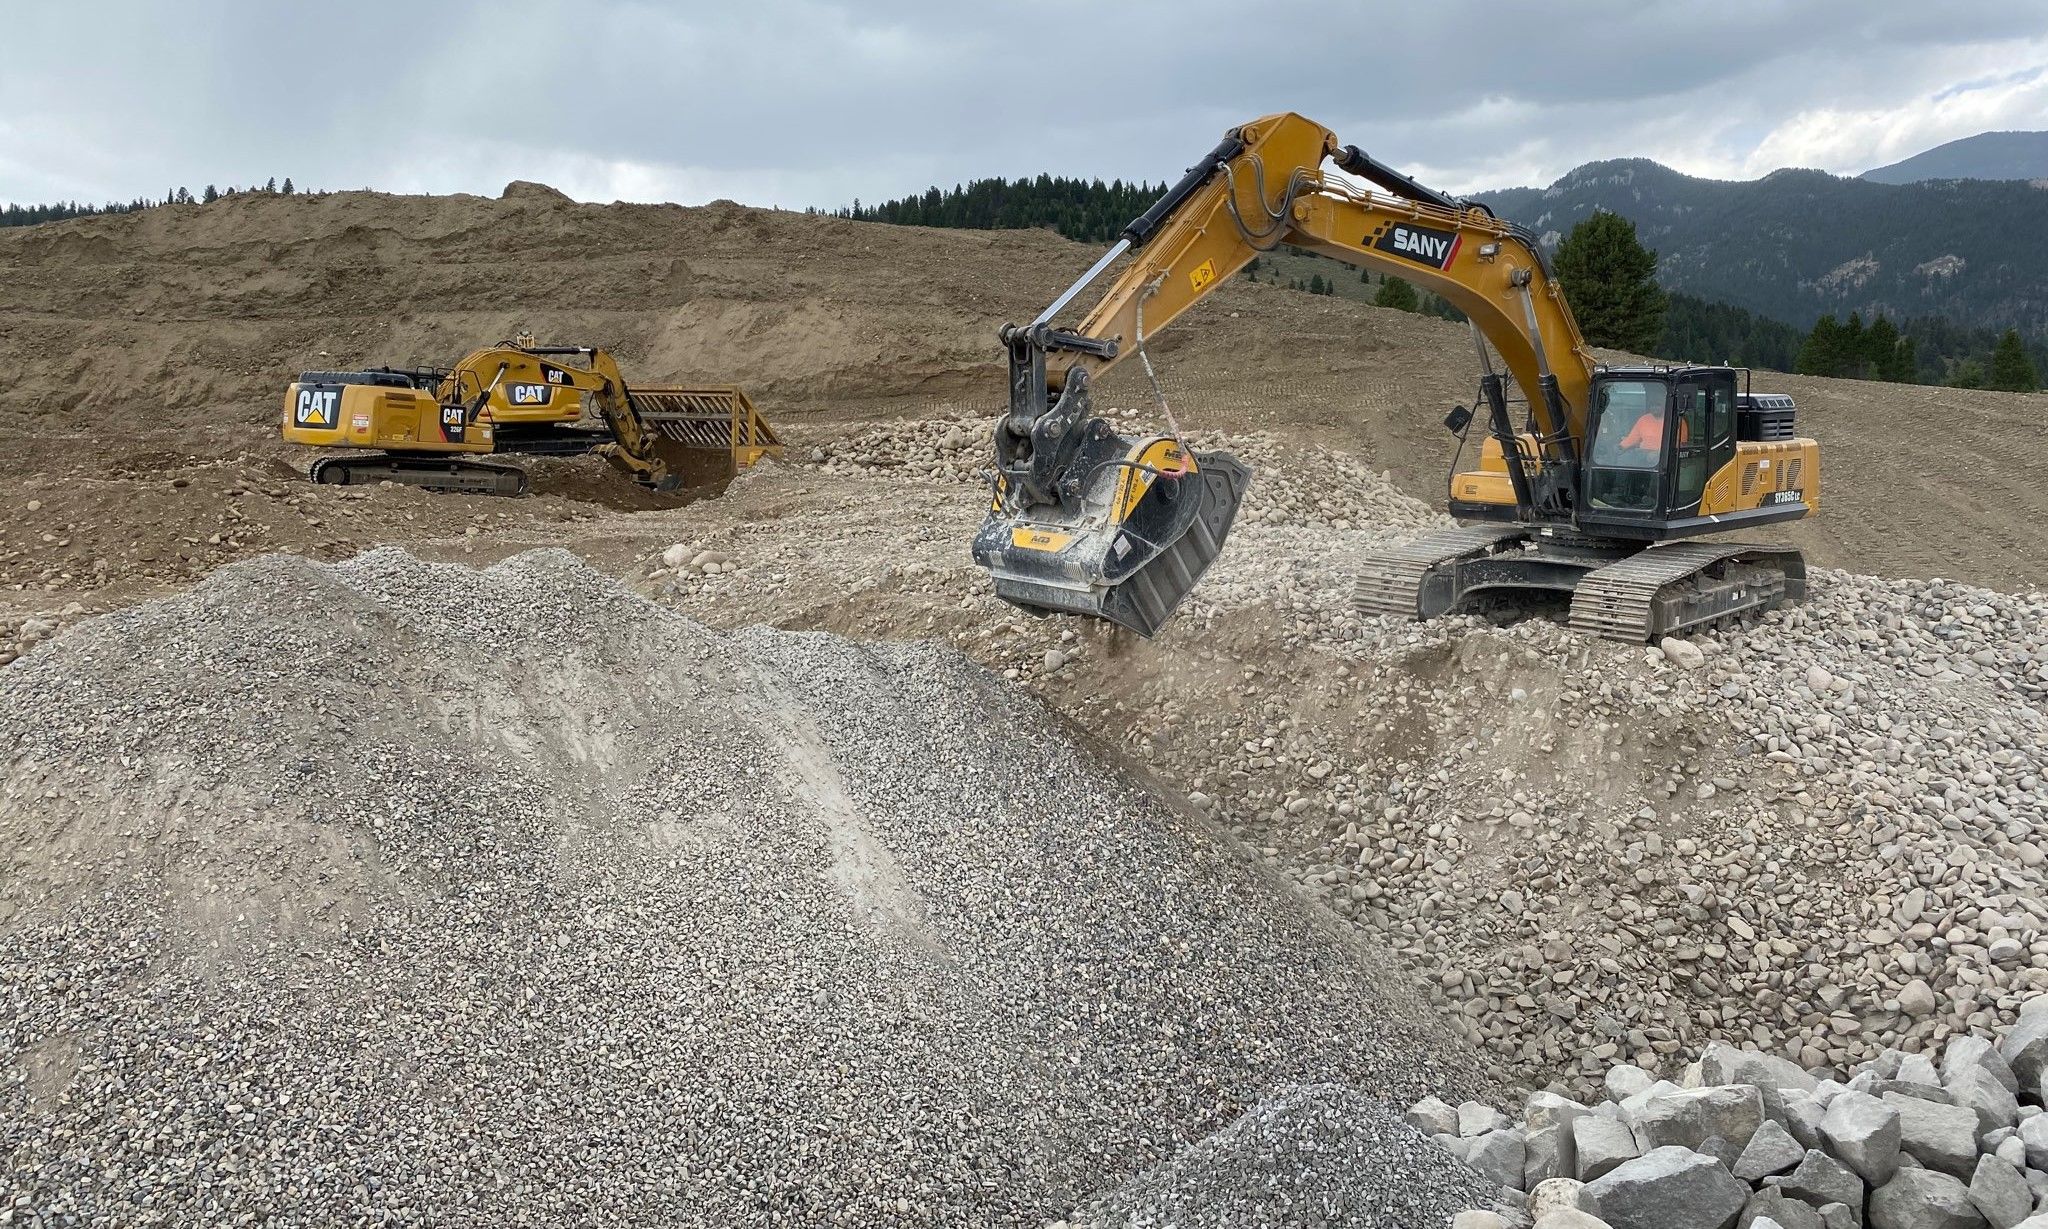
1619,590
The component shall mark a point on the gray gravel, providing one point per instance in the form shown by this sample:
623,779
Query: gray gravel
389,892
1313,1157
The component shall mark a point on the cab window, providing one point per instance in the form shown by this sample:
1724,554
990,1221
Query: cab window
1631,431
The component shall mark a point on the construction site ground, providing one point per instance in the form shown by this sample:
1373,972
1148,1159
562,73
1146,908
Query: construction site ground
1573,852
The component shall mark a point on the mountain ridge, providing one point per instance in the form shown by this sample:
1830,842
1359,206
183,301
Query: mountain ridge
1801,243
2011,154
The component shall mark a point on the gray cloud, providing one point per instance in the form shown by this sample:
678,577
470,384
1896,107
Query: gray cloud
801,102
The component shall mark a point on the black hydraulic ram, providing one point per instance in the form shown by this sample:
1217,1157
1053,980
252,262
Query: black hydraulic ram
1357,162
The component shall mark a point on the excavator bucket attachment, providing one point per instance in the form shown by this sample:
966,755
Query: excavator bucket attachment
703,436
1143,524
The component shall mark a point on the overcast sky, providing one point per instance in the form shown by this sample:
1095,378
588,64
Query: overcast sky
815,102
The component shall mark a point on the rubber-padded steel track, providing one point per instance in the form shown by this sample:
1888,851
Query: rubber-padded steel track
1668,589
1391,581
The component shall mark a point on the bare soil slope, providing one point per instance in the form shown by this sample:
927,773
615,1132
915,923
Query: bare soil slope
177,328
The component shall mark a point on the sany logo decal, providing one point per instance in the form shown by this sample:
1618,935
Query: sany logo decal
318,407
1420,244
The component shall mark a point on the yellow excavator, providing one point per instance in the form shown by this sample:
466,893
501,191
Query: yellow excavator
1602,491
425,426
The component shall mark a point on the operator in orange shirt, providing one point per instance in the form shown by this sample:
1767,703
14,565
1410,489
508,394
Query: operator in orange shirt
1648,432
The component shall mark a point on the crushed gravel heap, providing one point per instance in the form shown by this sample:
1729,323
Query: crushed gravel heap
390,890
1314,1157
1821,832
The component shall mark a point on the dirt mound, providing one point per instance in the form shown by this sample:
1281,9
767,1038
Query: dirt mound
394,890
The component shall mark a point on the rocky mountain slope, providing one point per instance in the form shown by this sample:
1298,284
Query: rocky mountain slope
1797,244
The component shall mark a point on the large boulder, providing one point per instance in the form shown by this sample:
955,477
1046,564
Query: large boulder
2025,1048
1547,1109
1822,1180
1499,1155
1923,1199
1476,1119
1555,1193
1625,1080
1980,1090
1772,1204
1863,1133
1669,1188
2034,1135
1548,1154
1772,1150
1799,1113
1601,1144
2000,1193
1691,1116
1977,1054
1432,1117
1722,1063
1941,1137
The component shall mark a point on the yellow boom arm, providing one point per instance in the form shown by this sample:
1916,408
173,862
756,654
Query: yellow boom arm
1266,186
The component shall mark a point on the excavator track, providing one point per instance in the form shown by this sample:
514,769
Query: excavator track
1392,581
1669,589
431,473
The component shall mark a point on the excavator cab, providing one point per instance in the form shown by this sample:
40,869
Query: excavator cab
1657,435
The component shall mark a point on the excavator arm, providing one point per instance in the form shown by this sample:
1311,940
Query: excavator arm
1068,531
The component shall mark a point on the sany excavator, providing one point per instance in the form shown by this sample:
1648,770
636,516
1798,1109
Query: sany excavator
1603,492
426,425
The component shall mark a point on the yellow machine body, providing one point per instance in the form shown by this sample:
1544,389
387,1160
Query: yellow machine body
519,397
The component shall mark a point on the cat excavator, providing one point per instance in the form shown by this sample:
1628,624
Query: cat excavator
426,425
1613,488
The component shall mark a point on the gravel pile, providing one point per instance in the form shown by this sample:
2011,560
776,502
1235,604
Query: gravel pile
389,891
1906,1142
1822,832
1315,1157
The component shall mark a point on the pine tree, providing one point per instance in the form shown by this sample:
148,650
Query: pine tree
1849,353
287,189
2010,368
1609,278
1821,355
1880,349
1315,284
211,195
184,196
1968,374
1905,367
1397,294
272,185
